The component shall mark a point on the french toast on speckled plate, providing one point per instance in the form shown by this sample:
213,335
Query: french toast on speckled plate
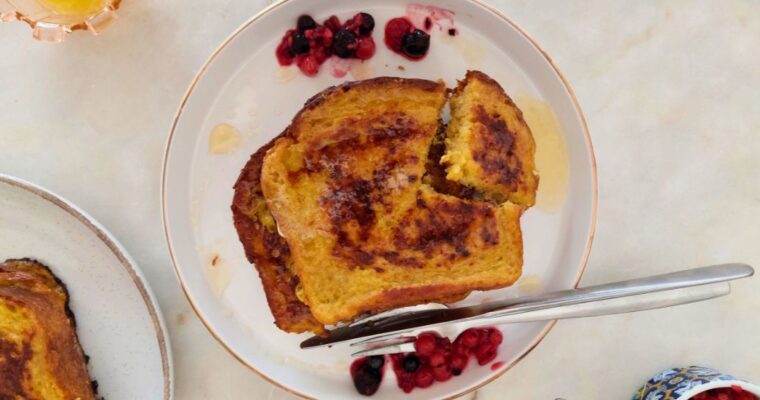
40,356
350,210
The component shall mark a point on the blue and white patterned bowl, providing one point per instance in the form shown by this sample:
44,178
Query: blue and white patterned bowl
684,383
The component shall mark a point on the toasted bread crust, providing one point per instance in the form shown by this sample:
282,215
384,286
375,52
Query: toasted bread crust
40,356
379,82
489,145
268,251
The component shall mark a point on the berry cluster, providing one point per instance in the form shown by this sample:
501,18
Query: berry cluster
731,393
403,38
311,44
367,373
438,359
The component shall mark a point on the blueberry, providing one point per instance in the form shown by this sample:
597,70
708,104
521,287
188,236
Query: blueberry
367,24
344,43
411,363
367,380
306,22
376,362
416,43
300,44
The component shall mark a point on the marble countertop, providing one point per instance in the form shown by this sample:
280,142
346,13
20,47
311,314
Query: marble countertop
671,93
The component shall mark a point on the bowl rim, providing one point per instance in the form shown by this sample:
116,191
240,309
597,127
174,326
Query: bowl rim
266,10
717,384
126,261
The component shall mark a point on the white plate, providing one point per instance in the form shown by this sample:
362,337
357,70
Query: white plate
242,85
118,321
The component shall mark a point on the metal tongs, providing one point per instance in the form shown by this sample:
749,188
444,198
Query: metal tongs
394,331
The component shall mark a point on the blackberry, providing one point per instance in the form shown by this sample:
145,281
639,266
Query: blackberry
411,363
344,43
375,362
367,380
306,22
367,24
299,44
415,44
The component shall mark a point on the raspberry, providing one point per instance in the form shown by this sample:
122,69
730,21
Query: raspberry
444,344
284,54
320,55
437,359
734,392
485,353
365,48
309,65
441,374
458,349
423,378
395,30
332,23
406,385
458,362
425,344
483,336
495,337
361,24
469,338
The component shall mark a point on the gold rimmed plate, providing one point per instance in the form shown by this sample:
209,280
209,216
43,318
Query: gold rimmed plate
243,87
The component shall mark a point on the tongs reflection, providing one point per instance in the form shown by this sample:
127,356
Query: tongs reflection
394,332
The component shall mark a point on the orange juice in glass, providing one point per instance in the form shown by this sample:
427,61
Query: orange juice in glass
51,20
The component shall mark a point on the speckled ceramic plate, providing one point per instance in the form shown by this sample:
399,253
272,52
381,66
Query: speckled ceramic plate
118,320
243,86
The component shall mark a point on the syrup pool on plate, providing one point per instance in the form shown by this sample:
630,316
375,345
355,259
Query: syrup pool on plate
552,159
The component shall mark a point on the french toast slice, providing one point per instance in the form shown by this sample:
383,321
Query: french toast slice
489,147
268,251
40,355
345,186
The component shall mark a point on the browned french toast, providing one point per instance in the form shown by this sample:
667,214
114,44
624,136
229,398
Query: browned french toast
489,147
267,250
40,355
365,233
352,210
